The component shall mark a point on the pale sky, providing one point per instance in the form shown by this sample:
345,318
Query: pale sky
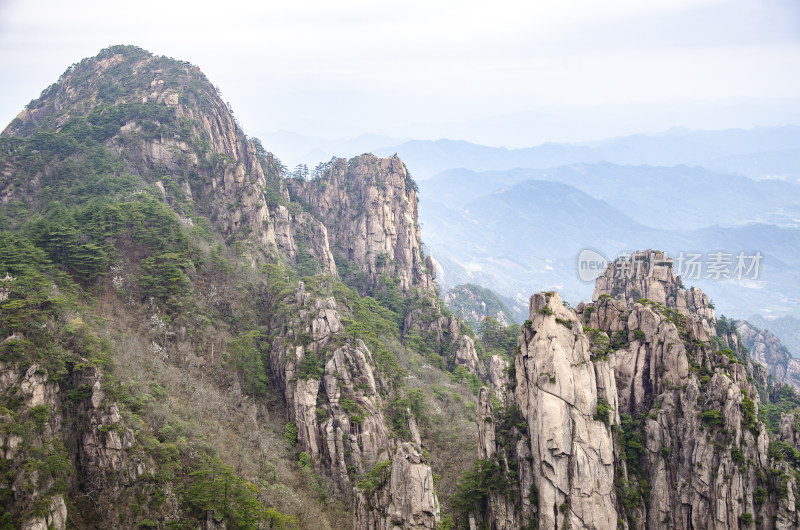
497,73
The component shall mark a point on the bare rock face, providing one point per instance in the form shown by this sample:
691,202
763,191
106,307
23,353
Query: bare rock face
689,398
572,453
498,378
332,395
501,511
649,275
105,442
765,348
369,205
406,499
330,389
485,419
55,519
448,332
301,237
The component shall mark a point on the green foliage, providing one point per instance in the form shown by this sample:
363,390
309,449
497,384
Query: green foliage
712,418
475,485
618,339
749,419
376,477
780,399
213,485
279,521
371,322
780,450
603,412
312,366
725,326
41,415
353,410
600,346
498,339
29,302
633,490
290,433
305,264
400,410
461,374
219,262
162,276
566,323
510,426
304,461
759,495
632,441
248,359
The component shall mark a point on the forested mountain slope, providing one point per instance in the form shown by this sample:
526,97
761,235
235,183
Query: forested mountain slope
164,365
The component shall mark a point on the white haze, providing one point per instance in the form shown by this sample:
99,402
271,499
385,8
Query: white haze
496,73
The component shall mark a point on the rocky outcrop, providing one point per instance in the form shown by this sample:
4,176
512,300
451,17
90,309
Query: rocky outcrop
369,205
498,378
572,451
334,399
684,397
502,512
105,445
330,389
765,348
179,136
455,345
686,449
303,242
33,444
54,519
404,499
649,275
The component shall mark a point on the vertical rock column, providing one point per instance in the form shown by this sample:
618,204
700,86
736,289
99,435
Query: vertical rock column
572,452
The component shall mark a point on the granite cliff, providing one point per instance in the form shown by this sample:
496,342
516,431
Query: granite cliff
766,348
633,412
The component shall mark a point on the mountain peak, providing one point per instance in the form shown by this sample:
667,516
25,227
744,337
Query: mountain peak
118,74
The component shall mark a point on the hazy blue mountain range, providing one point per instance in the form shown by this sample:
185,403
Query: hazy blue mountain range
688,197
757,152
528,235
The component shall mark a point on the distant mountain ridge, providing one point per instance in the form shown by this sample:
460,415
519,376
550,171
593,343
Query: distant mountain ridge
530,233
786,328
709,148
687,198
